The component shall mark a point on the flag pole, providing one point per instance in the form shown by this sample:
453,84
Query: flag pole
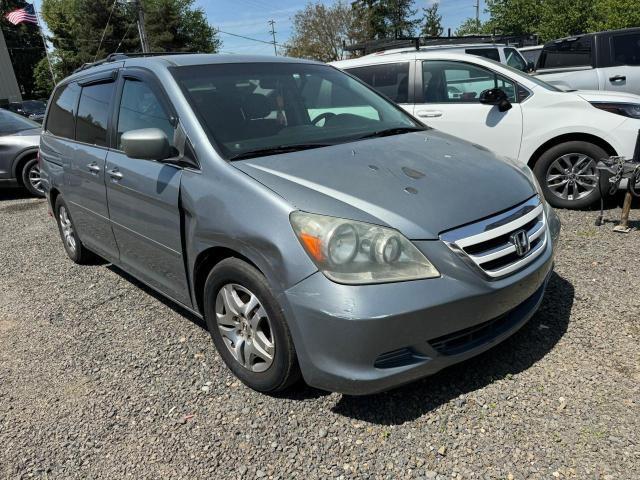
44,42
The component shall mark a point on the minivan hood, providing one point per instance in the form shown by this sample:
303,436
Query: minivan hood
419,183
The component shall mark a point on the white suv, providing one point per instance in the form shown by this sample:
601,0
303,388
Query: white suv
560,135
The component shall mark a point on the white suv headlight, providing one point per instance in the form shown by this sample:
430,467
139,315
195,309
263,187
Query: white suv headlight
352,252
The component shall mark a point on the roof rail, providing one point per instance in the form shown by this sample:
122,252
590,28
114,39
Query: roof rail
384,44
114,57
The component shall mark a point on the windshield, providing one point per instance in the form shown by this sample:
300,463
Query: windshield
33,106
254,109
528,77
11,123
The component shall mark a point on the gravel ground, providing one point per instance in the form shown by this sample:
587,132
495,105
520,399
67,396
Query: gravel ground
101,378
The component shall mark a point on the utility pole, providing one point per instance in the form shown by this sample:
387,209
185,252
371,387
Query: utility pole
273,35
477,16
144,42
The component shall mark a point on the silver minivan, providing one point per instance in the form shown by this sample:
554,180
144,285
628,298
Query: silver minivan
319,229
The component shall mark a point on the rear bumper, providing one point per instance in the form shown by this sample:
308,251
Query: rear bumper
365,339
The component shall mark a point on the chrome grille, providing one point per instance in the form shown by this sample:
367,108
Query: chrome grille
490,244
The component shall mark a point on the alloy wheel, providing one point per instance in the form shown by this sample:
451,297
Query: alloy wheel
245,327
67,228
572,176
35,178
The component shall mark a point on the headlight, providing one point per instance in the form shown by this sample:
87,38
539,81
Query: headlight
352,252
532,177
631,110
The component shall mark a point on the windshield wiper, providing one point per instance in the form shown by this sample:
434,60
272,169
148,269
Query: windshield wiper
391,131
263,152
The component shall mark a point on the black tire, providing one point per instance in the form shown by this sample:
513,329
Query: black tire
545,163
283,370
79,253
29,169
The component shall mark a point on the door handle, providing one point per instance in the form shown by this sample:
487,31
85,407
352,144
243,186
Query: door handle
94,168
115,174
618,78
429,113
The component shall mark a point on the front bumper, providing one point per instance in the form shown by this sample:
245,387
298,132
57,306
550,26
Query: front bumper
364,339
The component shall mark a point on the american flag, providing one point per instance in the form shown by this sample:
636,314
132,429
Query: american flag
26,14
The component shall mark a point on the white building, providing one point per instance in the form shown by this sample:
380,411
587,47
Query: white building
9,90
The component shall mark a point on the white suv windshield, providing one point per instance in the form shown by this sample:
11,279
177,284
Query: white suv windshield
255,109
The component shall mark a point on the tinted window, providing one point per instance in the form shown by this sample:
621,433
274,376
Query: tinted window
60,120
626,49
93,110
568,53
514,59
248,108
491,53
390,79
140,108
531,55
11,123
457,82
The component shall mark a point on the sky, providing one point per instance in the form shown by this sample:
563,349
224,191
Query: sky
249,18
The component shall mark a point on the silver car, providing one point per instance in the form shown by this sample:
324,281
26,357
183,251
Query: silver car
319,229
19,141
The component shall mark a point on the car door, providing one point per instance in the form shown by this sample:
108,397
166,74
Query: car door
622,72
143,195
76,138
450,101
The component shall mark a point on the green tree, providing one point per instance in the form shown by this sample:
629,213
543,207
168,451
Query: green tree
432,22
473,27
615,14
516,17
176,26
387,18
25,46
320,31
561,18
77,28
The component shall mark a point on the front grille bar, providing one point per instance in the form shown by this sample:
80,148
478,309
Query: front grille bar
487,246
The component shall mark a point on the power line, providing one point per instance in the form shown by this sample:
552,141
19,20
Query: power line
105,29
249,38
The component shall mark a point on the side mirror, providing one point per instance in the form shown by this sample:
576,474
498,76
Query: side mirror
496,96
531,67
146,144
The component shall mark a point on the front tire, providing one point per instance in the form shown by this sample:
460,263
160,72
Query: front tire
568,176
248,327
70,240
31,177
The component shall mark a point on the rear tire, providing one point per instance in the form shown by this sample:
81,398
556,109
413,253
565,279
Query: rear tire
31,177
70,240
567,174
248,327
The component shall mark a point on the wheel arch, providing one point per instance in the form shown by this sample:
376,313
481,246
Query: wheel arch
204,263
20,160
570,137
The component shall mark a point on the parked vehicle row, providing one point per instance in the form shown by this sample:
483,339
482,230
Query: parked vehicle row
317,227
561,135
32,109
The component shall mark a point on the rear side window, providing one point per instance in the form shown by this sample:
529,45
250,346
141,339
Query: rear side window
568,53
61,121
490,53
93,111
11,123
390,79
141,108
514,59
625,49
